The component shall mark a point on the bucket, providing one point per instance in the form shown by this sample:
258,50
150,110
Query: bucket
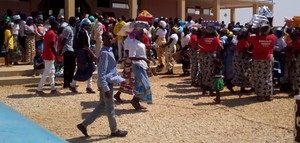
296,22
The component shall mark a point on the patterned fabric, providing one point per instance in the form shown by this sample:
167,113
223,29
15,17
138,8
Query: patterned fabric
262,75
142,84
296,73
194,65
128,75
170,51
242,70
30,48
207,67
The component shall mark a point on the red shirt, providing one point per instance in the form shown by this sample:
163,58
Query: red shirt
296,44
146,40
49,40
192,42
242,45
209,44
263,46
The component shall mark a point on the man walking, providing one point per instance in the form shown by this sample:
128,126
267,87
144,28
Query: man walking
49,56
68,52
107,76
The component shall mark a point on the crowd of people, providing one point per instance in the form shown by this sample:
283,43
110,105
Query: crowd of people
255,58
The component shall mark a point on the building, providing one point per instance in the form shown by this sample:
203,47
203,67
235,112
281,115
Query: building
206,9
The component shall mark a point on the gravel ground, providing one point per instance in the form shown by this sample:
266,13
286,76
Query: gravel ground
179,114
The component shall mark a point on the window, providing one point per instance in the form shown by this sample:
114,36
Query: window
206,11
195,11
120,5
191,11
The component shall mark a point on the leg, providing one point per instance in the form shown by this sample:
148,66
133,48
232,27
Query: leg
52,76
89,86
120,48
48,66
218,97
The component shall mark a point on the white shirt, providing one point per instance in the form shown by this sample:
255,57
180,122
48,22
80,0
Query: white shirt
161,33
127,43
15,29
185,40
138,49
175,39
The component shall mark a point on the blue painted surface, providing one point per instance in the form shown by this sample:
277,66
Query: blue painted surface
16,128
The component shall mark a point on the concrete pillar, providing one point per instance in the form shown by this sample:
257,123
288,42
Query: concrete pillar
69,9
181,9
255,9
133,7
216,10
232,14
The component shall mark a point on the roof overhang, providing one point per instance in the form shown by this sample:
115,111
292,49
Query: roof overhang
226,4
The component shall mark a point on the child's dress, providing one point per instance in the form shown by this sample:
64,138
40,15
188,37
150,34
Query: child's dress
218,83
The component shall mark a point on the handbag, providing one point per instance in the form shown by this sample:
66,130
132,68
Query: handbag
4,49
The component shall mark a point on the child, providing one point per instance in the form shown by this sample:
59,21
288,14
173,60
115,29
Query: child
218,83
186,65
38,62
185,52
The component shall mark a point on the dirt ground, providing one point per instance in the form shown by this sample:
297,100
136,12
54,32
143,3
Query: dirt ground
179,113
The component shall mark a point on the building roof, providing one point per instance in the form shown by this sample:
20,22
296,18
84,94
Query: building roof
225,4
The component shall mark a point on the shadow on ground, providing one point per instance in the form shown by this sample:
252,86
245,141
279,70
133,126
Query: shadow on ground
96,138
119,112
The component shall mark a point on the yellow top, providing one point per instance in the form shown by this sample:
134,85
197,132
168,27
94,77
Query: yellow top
8,39
118,27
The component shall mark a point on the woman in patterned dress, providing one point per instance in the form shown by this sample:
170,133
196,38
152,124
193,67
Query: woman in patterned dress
242,62
127,74
209,46
262,67
294,63
29,40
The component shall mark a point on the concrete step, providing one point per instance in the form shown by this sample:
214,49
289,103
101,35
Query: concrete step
22,74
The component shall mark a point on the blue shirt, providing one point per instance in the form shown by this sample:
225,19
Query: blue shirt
107,68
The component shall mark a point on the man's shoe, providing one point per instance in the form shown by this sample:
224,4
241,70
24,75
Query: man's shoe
40,93
119,133
73,89
83,130
90,90
118,98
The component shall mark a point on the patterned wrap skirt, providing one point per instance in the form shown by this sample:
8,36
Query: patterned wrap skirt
194,64
242,69
128,75
206,68
263,77
30,48
295,77
142,84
